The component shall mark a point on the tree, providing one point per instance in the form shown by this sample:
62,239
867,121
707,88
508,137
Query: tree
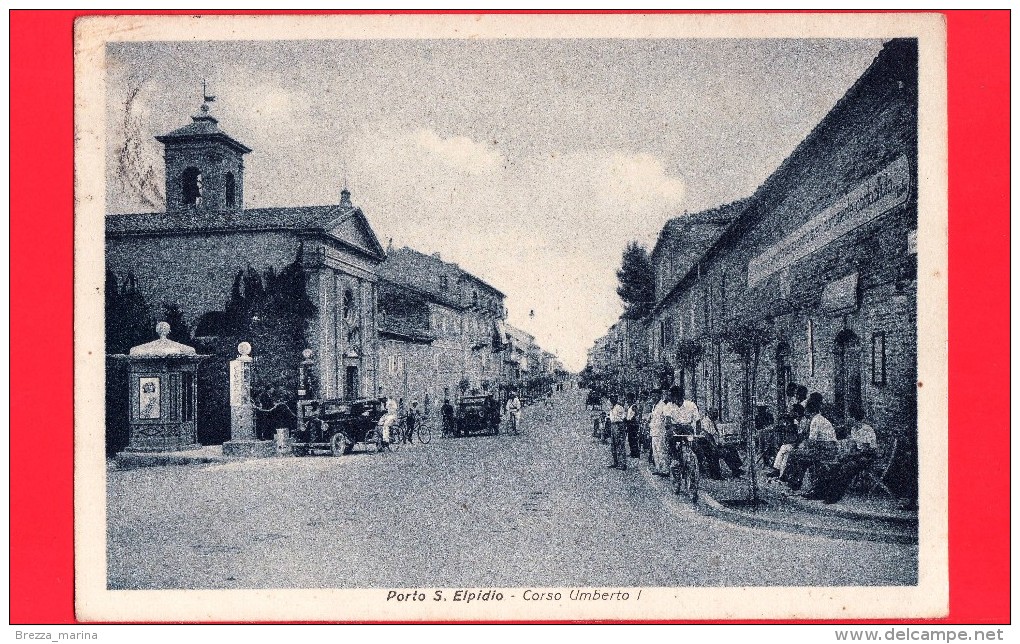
129,321
637,281
688,353
747,339
179,329
273,314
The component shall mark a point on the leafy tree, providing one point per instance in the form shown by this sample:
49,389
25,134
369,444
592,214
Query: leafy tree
129,321
688,353
274,316
637,281
179,329
747,338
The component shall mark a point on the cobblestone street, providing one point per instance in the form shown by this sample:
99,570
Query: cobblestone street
540,509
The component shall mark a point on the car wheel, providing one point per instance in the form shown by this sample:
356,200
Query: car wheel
338,444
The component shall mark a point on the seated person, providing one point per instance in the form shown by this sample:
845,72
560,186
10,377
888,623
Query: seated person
856,454
800,426
819,446
765,427
710,449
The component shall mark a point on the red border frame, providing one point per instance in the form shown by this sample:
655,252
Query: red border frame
41,233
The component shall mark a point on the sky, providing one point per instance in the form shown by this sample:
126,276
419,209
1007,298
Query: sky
530,163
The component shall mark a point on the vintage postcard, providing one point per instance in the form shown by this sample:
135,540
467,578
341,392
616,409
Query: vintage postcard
510,317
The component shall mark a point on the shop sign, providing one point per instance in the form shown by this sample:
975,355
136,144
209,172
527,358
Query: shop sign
841,294
881,192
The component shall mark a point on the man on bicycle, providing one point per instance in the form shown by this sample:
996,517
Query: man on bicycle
683,414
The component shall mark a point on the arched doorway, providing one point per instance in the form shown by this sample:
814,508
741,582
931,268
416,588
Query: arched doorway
784,376
848,374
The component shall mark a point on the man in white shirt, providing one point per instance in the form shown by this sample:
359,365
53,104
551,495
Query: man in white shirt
657,430
821,444
618,436
630,425
388,420
513,410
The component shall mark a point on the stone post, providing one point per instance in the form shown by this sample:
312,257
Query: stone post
243,442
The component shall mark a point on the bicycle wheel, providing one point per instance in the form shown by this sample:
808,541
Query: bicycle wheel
691,476
424,433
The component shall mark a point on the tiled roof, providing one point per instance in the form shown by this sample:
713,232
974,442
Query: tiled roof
720,216
294,218
203,127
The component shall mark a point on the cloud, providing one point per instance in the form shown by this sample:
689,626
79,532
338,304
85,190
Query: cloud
458,152
547,229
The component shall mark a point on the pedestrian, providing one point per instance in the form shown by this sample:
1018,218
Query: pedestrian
630,424
413,419
389,420
800,426
617,434
513,410
657,431
447,414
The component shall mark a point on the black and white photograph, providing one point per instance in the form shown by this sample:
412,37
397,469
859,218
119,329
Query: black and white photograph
507,317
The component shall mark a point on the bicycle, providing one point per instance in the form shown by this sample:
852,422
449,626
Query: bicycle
424,432
684,474
375,437
514,423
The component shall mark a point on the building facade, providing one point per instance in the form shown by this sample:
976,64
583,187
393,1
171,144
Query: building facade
820,263
190,255
440,330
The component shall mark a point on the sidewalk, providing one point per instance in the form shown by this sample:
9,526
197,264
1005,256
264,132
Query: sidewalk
872,517
132,460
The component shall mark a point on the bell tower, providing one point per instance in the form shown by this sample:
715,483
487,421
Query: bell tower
204,165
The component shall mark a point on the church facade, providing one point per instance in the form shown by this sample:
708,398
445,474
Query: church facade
190,255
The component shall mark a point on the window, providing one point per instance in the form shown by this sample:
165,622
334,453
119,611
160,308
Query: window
878,359
230,188
187,396
722,297
847,374
811,346
350,309
191,186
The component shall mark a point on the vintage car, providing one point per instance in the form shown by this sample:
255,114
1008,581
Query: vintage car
477,415
337,425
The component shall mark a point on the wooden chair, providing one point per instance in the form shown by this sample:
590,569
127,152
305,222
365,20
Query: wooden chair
872,477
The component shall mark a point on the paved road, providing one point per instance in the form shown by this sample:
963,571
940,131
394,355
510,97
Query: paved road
539,509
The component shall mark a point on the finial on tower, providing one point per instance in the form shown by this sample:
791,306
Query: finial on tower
206,99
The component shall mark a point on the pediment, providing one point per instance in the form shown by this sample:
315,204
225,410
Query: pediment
353,228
